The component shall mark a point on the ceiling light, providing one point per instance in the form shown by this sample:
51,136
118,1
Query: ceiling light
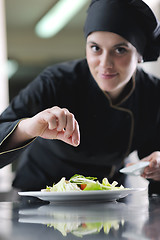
58,17
151,3
12,67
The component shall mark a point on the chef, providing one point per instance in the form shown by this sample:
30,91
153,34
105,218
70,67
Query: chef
87,115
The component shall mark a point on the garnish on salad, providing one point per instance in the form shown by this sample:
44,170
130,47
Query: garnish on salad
81,183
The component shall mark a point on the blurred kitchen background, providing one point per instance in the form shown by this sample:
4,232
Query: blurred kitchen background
28,53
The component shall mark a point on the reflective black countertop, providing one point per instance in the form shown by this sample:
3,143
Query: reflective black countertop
134,217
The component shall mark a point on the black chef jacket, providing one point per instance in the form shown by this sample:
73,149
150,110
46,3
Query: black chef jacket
108,132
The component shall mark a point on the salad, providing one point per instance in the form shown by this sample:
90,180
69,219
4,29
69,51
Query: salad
81,183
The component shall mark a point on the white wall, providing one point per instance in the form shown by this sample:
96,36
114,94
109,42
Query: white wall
5,172
153,67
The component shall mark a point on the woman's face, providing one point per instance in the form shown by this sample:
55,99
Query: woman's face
112,61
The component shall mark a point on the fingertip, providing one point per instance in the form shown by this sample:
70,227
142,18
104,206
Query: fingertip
153,164
76,143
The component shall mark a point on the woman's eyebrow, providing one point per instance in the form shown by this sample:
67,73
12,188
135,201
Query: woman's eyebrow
91,42
116,45
121,44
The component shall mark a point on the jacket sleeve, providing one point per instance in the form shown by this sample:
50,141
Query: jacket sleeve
37,96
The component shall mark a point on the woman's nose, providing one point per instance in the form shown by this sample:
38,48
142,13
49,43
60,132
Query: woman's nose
106,60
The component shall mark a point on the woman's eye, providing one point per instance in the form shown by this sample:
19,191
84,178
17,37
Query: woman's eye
95,48
121,50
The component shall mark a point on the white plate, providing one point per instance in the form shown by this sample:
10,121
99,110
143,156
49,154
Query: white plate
110,195
135,169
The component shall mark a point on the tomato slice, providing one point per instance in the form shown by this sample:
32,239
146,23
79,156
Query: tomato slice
83,186
84,225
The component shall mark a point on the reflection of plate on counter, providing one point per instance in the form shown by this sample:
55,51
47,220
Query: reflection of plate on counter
91,212
82,218
78,219
110,195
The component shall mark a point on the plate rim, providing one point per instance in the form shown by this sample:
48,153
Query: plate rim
81,196
80,193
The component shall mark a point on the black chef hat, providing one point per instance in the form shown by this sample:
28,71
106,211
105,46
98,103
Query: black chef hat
131,19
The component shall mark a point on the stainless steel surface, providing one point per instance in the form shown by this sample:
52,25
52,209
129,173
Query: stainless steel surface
134,217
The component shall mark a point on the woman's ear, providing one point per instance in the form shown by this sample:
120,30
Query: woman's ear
140,59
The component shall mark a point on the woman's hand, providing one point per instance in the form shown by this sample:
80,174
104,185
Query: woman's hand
52,123
153,170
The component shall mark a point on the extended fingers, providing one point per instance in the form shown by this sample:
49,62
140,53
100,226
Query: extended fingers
153,158
70,124
66,125
71,134
155,175
61,115
153,170
58,123
76,135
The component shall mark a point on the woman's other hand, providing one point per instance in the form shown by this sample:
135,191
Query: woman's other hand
153,170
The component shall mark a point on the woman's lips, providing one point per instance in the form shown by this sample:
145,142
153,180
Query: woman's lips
108,75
